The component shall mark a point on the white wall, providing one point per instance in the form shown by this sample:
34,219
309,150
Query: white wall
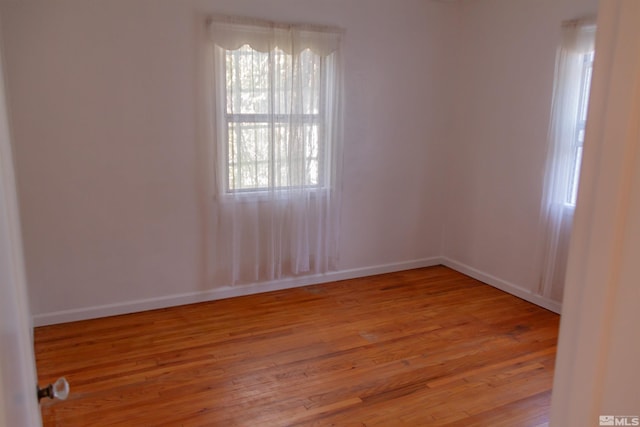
445,140
497,153
103,102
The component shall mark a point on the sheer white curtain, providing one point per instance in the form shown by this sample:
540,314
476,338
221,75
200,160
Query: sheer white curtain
276,149
566,132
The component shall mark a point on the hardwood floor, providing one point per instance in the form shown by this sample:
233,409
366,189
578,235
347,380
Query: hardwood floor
426,347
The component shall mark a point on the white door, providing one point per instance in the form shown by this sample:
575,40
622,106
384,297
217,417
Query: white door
597,368
18,399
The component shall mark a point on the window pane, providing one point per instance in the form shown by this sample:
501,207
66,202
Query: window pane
296,159
312,159
585,86
310,65
573,194
248,156
282,82
296,83
273,117
247,76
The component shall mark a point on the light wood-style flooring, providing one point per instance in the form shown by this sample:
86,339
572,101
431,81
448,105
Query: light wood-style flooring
426,347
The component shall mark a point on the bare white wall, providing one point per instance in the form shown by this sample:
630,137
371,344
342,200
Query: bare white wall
447,109
103,104
496,159
101,101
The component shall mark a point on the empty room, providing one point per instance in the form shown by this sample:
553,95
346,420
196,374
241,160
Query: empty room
320,212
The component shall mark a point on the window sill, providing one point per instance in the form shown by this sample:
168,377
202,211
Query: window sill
263,196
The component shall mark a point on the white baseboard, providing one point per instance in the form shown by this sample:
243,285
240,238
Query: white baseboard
241,290
223,292
503,285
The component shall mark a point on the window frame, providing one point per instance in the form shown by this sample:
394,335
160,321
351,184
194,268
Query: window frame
586,75
226,120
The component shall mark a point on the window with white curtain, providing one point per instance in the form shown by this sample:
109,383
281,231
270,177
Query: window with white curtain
275,102
275,122
574,65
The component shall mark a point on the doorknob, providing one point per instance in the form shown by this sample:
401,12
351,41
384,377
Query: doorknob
57,390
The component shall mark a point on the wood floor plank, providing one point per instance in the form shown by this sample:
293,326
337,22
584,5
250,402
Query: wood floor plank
425,347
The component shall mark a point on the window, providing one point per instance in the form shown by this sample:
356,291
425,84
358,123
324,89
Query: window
574,65
275,101
273,128
269,142
581,120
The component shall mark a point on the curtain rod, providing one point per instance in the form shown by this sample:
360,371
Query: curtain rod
241,20
589,20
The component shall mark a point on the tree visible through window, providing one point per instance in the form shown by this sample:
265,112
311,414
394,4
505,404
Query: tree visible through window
274,118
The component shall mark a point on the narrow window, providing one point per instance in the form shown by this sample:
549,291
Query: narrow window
581,121
567,131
